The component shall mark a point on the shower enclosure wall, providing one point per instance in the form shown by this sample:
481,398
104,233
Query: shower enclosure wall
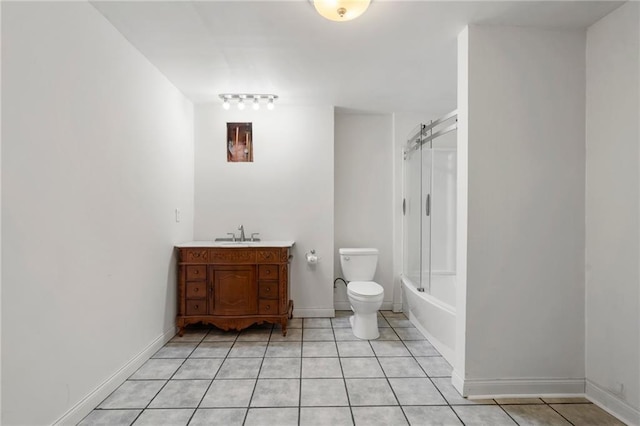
429,231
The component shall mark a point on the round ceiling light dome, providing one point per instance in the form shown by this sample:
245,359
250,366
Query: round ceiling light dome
341,10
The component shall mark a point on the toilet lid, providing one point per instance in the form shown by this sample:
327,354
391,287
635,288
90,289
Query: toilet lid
365,288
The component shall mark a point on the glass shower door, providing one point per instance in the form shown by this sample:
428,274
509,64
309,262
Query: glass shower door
418,171
426,181
430,185
412,210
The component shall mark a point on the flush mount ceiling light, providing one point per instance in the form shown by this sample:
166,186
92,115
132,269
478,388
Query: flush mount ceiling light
341,10
243,98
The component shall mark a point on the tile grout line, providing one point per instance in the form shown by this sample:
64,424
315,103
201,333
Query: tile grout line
344,379
300,374
430,378
178,369
386,377
168,380
549,405
426,374
255,385
506,412
214,376
207,390
385,373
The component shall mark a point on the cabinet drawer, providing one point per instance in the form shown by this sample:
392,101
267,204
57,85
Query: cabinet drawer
196,290
268,290
268,272
196,272
197,307
267,307
194,255
268,255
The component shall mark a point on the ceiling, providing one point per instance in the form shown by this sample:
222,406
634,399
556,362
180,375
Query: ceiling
399,56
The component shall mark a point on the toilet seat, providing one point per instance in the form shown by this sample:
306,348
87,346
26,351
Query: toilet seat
365,289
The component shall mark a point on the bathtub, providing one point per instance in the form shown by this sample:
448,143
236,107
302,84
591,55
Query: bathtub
433,313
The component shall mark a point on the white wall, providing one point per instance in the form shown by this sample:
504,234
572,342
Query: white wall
364,194
97,153
286,193
462,201
526,164
612,213
0,227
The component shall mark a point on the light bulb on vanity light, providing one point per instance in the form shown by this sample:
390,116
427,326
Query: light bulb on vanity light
244,99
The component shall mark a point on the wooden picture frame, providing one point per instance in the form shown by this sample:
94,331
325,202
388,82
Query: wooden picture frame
239,143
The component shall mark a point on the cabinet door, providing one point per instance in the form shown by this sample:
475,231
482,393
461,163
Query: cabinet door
235,290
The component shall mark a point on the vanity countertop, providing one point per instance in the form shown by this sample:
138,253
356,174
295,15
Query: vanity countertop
235,244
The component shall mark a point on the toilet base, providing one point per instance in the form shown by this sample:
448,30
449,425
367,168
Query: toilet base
365,326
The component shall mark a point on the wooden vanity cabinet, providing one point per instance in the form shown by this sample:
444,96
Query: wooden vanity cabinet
233,288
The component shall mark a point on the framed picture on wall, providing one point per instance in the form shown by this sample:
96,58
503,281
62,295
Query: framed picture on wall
239,143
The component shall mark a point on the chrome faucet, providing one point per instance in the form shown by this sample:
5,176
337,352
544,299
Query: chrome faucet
242,237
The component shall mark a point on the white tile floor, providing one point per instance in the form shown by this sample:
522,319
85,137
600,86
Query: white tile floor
319,374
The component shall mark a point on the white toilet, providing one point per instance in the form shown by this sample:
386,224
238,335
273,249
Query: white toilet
365,295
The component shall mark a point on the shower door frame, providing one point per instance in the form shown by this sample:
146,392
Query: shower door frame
424,136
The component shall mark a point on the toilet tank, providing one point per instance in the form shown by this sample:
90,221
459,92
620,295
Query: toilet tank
358,264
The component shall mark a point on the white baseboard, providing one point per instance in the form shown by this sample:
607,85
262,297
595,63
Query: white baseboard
386,306
342,306
514,388
458,382
612,404
314,313
79,411
494,388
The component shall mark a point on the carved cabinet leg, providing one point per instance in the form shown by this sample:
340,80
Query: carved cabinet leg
180,323
283,323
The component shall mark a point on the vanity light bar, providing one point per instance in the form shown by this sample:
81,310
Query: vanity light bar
242,99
